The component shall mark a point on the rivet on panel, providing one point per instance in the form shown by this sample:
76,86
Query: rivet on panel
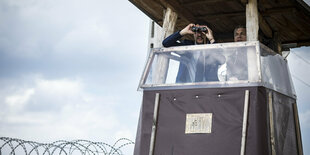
196,96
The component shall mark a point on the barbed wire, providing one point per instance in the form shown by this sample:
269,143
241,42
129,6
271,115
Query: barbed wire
13,146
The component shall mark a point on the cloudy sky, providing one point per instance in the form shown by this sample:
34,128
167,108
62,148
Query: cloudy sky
70,69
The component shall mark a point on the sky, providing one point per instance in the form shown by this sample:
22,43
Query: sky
70,70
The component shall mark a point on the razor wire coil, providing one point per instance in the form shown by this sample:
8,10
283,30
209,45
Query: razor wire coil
14,146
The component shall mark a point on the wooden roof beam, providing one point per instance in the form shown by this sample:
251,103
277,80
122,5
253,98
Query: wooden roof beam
242,13
147,9
264,26
222,15
277,11
162,64
180,10
298,42
201,2
244,1
252,22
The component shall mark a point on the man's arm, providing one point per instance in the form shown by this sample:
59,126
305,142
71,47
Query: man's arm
172,40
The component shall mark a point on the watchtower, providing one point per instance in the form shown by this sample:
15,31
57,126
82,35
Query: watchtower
250,109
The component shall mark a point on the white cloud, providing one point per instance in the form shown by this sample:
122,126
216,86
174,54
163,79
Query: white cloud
59,109
36,26
61,87
89,36
18,100
305,120
103,43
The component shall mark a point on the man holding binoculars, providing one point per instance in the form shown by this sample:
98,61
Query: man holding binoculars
203,68
201,34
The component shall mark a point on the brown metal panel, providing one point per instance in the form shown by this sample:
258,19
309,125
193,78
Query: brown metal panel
226,106
227,110
257,139
143,136
284,125
297,128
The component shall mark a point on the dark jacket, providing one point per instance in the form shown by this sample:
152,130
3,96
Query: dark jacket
210,72
173,40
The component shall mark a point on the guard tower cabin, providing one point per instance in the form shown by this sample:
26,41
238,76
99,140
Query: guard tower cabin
250,107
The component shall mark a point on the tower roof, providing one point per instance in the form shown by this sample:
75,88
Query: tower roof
289,19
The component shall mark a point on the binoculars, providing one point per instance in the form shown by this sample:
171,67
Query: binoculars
199,29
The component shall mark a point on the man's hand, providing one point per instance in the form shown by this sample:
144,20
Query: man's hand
209,34
187,30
